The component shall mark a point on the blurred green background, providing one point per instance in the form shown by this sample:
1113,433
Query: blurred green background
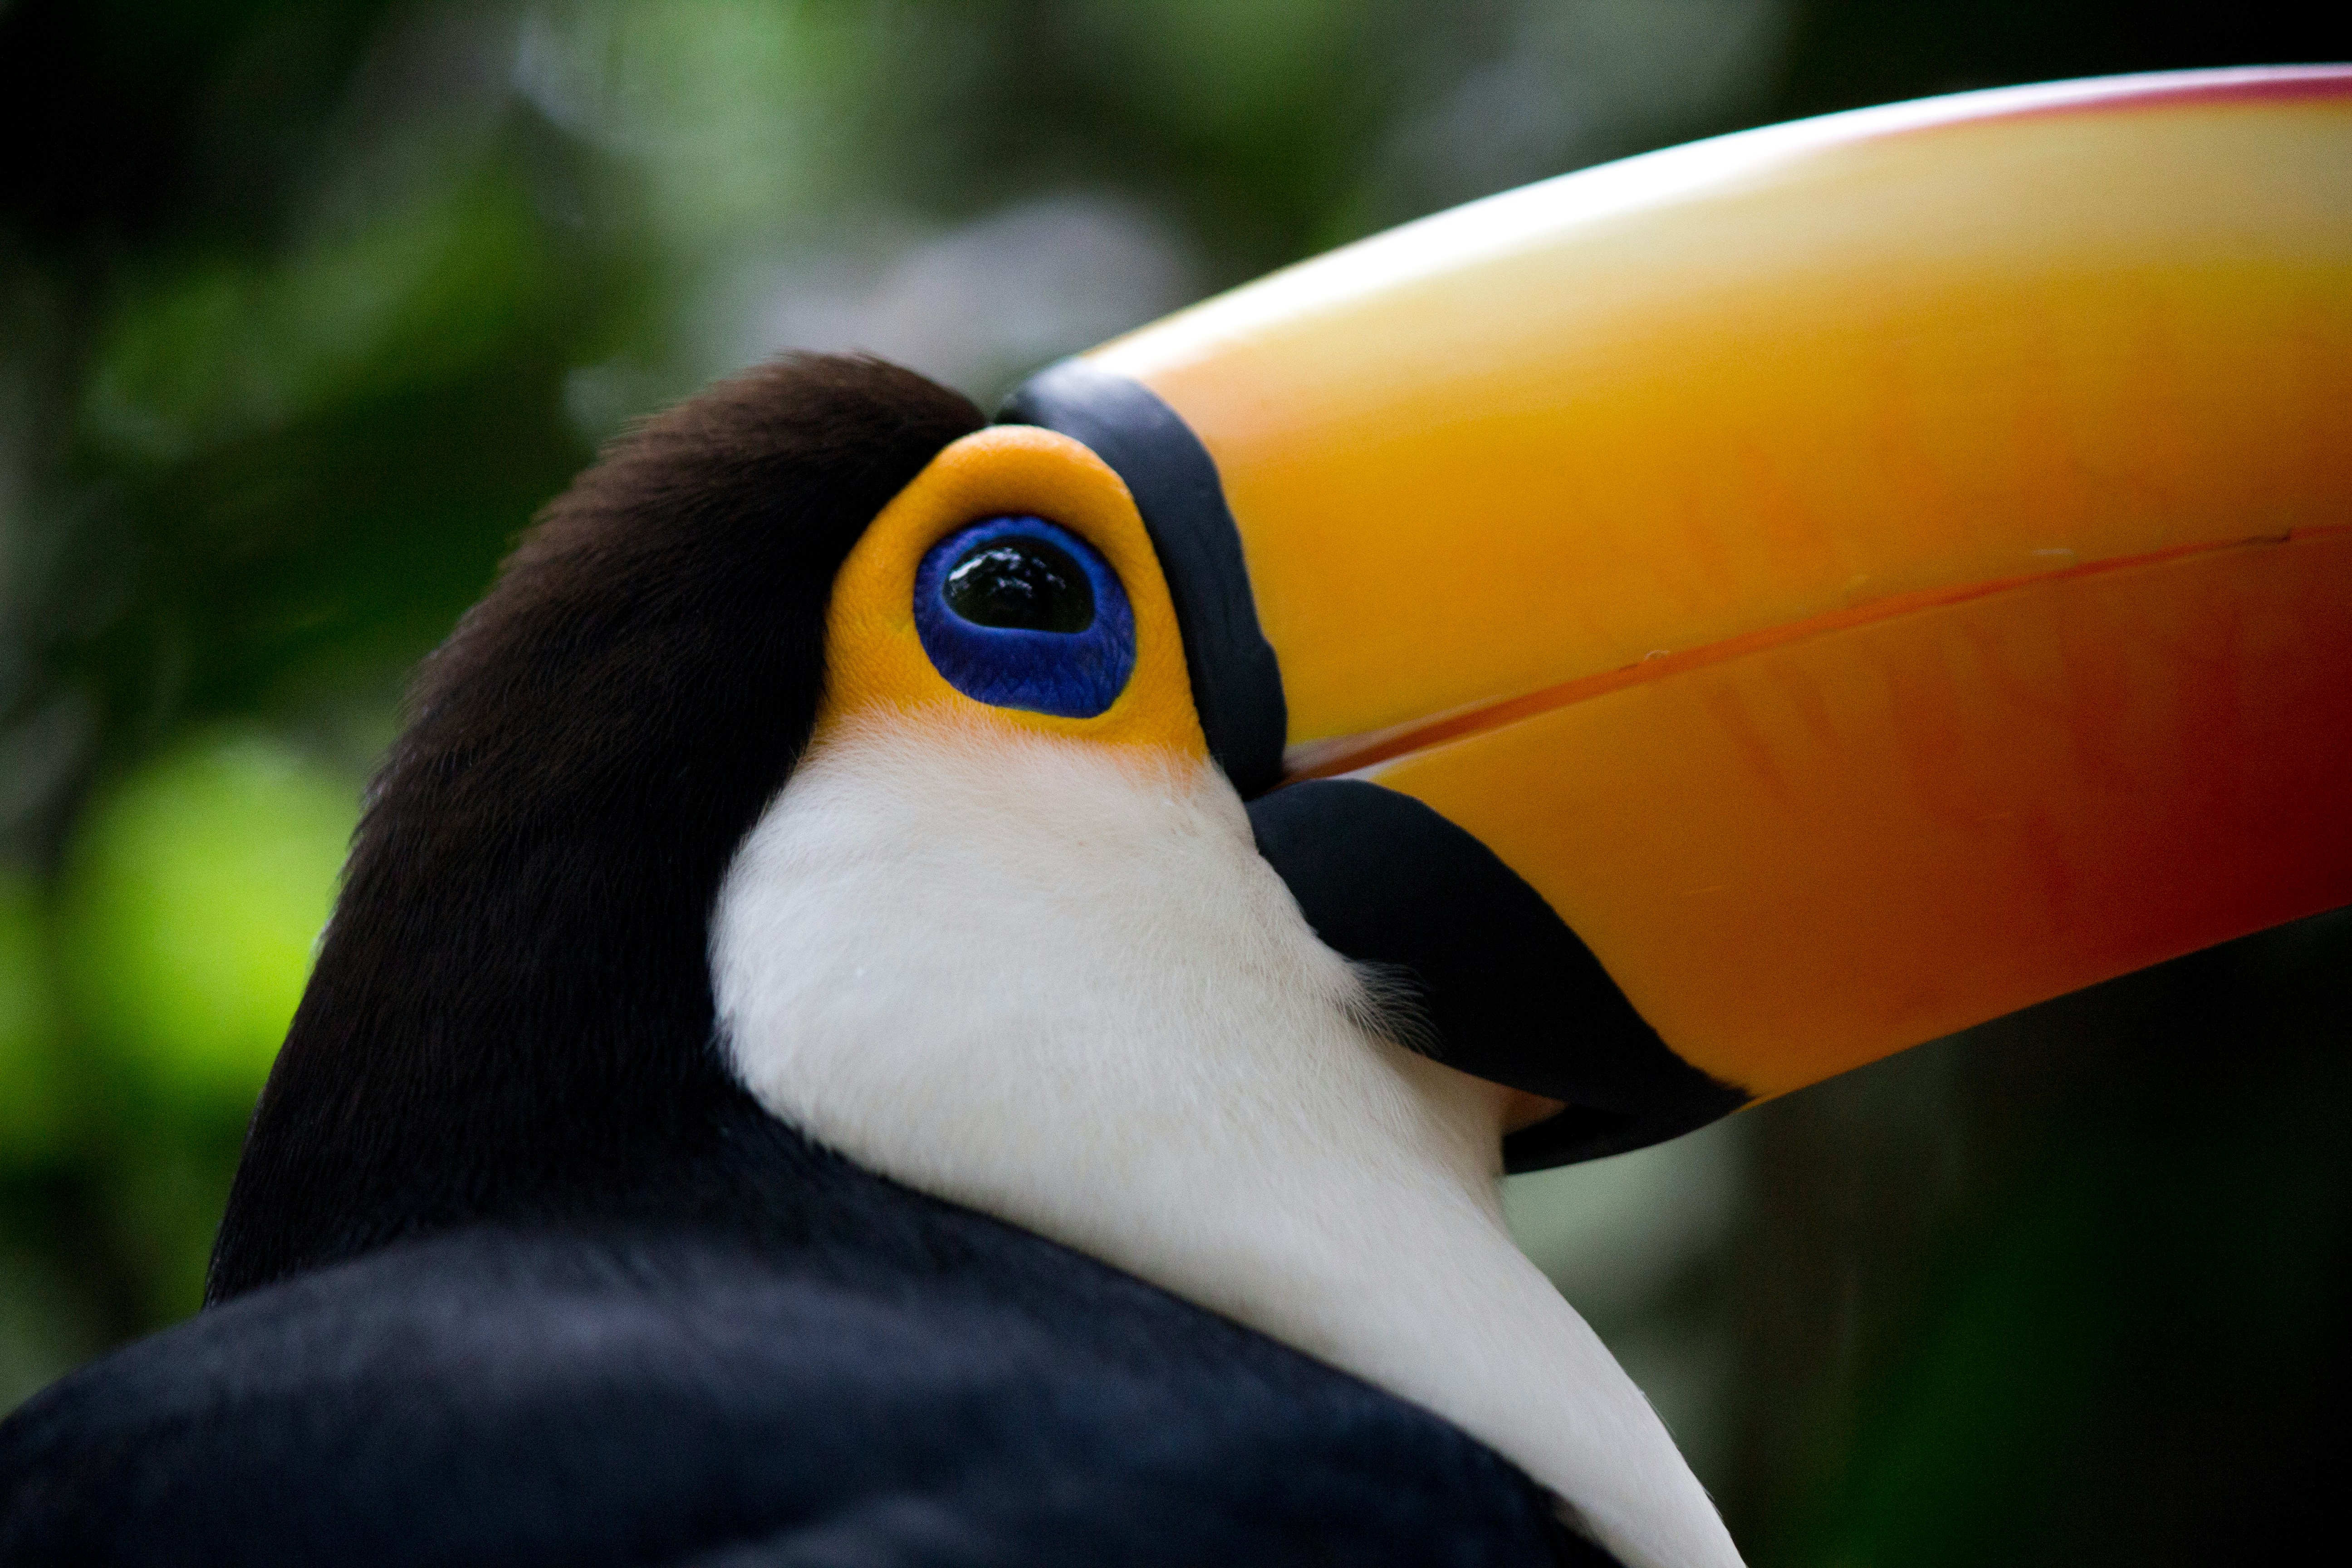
305,307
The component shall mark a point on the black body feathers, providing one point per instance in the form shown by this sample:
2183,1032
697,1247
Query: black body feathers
937,1390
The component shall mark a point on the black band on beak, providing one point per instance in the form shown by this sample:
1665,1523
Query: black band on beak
1506,990
1236,682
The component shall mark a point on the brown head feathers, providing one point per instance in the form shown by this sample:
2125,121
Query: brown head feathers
510,1016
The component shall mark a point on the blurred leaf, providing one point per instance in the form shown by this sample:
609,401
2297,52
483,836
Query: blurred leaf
34,1119
740,114
208,352
1221,70
195,894
166,1203
43,1330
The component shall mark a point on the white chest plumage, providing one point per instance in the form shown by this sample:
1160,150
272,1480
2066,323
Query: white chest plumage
1057,984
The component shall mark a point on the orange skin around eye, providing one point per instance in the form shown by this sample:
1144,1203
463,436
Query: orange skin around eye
875,656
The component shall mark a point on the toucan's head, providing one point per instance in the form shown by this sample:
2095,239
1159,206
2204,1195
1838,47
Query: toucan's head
1532,681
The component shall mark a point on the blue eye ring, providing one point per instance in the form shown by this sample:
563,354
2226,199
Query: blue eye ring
1073,674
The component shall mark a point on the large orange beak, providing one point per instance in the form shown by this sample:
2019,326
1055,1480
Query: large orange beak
1866,575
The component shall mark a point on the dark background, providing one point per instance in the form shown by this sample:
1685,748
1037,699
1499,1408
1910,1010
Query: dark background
304,309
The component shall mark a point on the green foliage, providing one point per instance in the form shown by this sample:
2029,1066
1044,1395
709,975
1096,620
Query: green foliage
35,1110
1226,71
203,351
194,899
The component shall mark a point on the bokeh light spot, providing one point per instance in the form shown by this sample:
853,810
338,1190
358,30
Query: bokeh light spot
196,895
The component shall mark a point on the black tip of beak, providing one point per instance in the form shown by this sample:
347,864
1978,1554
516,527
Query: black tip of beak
1236,682
1506,991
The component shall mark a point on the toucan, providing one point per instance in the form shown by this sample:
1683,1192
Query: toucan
923,990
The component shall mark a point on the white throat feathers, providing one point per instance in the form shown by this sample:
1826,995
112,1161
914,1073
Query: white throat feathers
1057,984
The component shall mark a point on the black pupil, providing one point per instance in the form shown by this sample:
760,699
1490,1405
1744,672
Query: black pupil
1021,584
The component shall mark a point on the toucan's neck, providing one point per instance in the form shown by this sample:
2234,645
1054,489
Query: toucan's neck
1025,976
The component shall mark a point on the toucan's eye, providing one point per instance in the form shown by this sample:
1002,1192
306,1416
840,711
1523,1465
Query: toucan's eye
1024,583
1018,613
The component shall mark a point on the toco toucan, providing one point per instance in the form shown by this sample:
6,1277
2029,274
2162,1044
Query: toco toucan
928,991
